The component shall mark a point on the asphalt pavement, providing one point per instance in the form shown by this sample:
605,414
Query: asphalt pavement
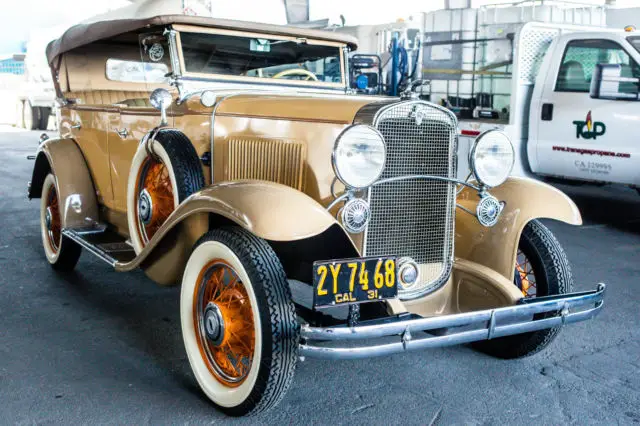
100,347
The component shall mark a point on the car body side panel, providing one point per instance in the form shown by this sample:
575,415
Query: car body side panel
496,247
75,186
88,127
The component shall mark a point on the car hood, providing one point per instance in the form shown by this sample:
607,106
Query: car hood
339,109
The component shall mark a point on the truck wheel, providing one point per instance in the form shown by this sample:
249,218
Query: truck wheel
542,269
20,114
31,116
45,113
62,253
158,184
238,321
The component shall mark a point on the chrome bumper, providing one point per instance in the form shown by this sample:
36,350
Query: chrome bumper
404,332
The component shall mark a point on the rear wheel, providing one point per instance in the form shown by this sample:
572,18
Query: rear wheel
62,253
20,114
45,113
542,269
159,182
238,322
30,116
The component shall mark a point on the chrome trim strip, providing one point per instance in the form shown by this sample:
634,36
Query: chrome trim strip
427,177
490,323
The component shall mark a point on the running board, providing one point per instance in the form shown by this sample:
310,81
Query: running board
105,244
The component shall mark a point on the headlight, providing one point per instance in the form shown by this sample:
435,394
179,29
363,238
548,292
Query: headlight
492,158
359,156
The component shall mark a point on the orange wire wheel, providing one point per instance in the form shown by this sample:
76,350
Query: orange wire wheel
525,277
155,200
223,323
52,219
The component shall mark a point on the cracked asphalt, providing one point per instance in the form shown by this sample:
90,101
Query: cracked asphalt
98,347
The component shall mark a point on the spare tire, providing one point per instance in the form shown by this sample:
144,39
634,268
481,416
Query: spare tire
159,181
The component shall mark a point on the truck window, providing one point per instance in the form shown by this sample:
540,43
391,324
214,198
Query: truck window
580,59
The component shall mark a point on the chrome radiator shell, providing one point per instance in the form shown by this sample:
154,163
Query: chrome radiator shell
414,218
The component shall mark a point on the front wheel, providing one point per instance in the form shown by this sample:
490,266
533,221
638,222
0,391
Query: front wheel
542,269
238,321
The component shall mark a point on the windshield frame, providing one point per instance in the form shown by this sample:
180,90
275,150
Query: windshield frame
223,78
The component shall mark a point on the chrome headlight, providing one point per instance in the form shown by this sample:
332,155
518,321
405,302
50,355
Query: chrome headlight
491,158
359,156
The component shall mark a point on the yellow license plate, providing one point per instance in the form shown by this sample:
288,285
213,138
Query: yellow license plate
339,282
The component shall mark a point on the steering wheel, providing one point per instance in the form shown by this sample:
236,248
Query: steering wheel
296,71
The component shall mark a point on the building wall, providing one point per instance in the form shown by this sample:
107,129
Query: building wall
619,18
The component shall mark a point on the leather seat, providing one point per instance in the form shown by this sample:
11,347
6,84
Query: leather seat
571,77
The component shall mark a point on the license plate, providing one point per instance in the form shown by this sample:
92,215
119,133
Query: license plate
339,282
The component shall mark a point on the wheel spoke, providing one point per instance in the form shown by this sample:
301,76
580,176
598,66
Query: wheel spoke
229,359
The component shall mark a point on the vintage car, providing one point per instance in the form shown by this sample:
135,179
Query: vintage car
300,219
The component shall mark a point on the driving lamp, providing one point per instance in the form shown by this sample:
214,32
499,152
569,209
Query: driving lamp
359,156
492,158
161,100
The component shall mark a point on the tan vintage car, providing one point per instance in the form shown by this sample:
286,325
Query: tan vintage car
301,220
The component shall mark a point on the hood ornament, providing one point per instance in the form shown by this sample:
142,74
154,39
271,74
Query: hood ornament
419,114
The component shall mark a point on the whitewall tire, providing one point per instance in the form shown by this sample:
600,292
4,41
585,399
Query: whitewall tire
238,322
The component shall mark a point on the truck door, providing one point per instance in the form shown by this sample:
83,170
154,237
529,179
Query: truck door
579,137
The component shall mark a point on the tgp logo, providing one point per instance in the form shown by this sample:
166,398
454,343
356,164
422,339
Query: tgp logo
588,129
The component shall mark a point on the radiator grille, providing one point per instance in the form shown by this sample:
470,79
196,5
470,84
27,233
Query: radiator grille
273,160
415,217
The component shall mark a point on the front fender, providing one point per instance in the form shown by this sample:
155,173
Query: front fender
496,247
268,210
76,192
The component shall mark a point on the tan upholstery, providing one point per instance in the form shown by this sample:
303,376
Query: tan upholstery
110,97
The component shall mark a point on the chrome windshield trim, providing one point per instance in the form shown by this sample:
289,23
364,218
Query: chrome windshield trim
490,323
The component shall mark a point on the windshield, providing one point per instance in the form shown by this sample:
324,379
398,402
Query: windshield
245,56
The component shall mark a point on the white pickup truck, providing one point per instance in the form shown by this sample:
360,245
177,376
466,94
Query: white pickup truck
574,105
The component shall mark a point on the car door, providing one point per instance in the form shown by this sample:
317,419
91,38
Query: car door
581,137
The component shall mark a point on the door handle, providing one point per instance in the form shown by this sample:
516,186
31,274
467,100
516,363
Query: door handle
123,133
547,112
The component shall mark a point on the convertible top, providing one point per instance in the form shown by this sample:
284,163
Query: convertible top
89,32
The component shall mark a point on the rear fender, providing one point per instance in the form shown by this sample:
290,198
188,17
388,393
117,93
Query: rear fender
75,187
496,247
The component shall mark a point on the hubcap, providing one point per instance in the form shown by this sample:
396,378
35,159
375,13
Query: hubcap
223,320
145,207
47,218
214,324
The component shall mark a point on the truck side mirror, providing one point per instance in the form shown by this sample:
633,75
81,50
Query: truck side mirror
607,83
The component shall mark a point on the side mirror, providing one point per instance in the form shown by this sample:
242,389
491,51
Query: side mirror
161,100
607,83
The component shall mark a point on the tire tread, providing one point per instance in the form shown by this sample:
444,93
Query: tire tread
263,266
